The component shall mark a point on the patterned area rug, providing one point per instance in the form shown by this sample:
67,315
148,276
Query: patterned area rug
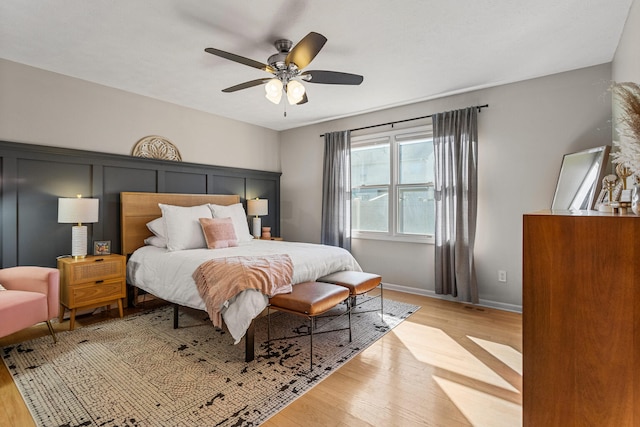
139,371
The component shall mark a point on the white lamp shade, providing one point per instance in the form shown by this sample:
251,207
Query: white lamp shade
273,90
77,210
295,92
257,207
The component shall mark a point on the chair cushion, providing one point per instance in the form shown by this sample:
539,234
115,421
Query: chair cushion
310,298
20,309
357,282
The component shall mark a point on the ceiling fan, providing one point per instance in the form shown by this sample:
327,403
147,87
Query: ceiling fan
286,67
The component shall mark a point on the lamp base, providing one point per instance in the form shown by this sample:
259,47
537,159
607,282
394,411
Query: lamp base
79,241
257,226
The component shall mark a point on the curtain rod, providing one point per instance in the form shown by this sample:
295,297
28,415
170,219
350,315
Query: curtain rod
479,107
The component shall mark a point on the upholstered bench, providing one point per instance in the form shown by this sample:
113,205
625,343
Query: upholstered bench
357,282
309,299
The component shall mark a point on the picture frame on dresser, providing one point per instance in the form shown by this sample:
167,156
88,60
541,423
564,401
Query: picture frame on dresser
102,247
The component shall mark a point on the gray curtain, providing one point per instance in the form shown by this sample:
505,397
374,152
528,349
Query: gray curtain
336,190
455,140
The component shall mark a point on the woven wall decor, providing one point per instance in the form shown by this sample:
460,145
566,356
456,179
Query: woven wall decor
156,147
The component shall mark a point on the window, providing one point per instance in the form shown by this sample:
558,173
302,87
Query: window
392,194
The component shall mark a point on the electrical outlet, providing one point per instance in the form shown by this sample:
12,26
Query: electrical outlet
502,276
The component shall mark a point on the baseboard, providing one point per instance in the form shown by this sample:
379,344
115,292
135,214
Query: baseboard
428,293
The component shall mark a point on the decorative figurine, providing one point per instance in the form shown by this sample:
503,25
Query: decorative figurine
609,182
623,172
266,233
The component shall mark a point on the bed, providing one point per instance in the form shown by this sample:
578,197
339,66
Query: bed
167,273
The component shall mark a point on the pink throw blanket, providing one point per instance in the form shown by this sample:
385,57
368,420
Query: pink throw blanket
220,279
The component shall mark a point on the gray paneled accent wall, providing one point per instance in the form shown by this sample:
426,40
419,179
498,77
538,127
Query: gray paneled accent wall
33,177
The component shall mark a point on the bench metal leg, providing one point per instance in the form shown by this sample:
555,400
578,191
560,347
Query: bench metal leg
349,315
354,302
313,325
268,332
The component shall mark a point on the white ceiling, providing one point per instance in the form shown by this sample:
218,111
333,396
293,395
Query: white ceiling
407,51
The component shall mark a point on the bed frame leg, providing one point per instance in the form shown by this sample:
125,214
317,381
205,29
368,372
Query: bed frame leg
175,316
249,336
249,342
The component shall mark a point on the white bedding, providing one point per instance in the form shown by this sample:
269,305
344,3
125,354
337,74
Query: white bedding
167,275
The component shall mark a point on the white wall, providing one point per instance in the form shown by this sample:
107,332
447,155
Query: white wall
523,135
626,62
41,107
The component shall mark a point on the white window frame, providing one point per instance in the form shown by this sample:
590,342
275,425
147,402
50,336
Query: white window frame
393,137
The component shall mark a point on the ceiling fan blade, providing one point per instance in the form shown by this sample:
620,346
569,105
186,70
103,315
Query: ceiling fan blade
245,85
240,59
331,77
304,100
306,49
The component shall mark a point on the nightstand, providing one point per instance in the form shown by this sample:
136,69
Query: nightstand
93,281
272,238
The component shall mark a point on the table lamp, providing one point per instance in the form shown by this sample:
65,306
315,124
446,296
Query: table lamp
256,208
78,210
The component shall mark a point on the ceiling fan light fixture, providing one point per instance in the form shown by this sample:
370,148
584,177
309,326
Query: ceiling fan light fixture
273,90
295,92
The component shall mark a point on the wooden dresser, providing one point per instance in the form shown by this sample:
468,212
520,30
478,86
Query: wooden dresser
581,319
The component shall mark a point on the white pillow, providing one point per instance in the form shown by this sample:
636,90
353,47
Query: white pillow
183,226
238,216
158,242
157,227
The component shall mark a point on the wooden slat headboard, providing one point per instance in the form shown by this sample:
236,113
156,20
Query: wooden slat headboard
137,209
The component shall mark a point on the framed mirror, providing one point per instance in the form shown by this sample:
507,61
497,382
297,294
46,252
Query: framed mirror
580,179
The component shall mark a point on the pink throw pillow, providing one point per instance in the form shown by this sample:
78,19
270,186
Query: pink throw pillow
218,232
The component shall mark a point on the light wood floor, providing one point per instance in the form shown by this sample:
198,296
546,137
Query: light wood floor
449,364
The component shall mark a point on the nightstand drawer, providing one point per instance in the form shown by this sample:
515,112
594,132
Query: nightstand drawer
95,292
97,268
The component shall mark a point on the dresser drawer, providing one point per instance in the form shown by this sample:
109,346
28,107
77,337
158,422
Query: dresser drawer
94,293
97,268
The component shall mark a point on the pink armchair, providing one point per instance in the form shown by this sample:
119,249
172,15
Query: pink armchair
32,296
